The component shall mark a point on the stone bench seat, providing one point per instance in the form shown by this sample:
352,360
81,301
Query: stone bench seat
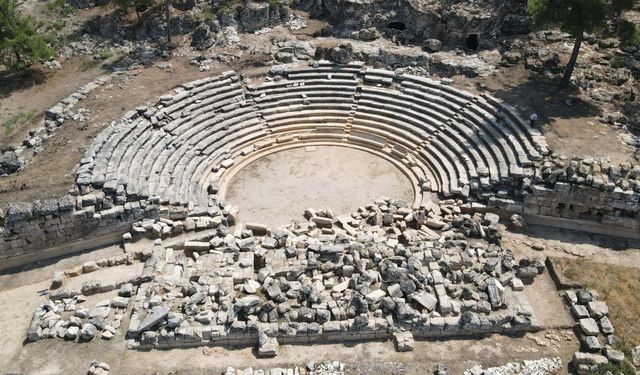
198,169
460,134
195,157
499,143
330,96
397,137
198,103
327,75
521,145
203,81
379,120
409,122
456,173
199,143
298,102
460,142
267,88
452,92
333,108
432,96
200,137
525,134
186,98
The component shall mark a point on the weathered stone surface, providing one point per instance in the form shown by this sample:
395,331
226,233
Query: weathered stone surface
589,359
267,346
404,341
156,315
589,327
635,356
427,300
598,309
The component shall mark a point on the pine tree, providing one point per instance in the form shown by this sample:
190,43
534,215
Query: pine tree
20,43
576,17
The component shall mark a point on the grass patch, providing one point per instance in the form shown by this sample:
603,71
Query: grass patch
88,62
60,7
104,54
226,6
618,286
16,120
616,368
207,15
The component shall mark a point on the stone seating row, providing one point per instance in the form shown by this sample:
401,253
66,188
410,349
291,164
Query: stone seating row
457,141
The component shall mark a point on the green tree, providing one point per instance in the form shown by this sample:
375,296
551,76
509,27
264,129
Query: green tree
20,43
576,17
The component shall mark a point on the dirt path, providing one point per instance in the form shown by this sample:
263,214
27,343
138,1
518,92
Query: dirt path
568,244
379,358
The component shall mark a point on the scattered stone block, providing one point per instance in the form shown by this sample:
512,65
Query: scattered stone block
404,341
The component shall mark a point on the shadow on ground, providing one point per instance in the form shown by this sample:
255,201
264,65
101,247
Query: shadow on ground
12,81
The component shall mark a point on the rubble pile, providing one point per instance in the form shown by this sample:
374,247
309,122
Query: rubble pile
586,171
99,368
64,316
536,367
312,368
383,271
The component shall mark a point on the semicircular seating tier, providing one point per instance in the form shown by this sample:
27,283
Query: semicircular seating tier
447,140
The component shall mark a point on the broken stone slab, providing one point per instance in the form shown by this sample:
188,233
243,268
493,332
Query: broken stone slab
57,279
88,331
376,296
427,300
517,285
90,266
581,358
404,341
99,312
494,294
591,344
251,286
120,302
247,302
71,333
155,316
635,356
126,290
605,326
267,346
322,222
434,224
198,246
597,309
579,311
614,356
491,218
257,229
589,326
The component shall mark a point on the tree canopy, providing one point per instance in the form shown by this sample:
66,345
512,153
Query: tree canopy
20,43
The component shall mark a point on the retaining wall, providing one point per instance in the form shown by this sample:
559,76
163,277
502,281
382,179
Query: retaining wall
53,227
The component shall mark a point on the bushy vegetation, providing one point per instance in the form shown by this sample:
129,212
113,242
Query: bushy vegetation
59,7
616,368
20,42
16,120
628,32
